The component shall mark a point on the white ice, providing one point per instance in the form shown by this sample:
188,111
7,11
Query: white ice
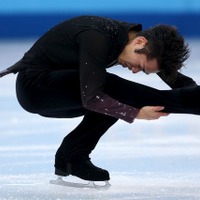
147,160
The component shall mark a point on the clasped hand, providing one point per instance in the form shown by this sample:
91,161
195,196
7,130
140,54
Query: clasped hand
151,112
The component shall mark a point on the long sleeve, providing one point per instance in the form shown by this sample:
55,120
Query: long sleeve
94,51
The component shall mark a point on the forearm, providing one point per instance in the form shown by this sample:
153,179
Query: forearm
109,106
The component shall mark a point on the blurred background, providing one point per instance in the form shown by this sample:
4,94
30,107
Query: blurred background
159,158
22,18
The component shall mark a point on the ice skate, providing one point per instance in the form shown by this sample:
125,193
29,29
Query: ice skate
85,170
90,184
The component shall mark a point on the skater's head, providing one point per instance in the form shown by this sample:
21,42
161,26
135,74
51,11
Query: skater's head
163,47
166,45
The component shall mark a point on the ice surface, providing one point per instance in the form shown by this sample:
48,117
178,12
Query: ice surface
147,160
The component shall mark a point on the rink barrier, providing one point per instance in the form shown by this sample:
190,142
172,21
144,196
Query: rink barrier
34,25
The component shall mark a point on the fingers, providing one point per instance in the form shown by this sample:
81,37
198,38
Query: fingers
158,108
162,114
157,112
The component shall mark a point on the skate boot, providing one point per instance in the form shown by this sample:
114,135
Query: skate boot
82,168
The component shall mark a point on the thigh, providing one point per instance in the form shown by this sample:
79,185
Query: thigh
53,93
138,95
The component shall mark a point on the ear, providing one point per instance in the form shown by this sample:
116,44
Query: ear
140,40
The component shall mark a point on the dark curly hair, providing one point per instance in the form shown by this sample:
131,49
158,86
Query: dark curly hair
166,45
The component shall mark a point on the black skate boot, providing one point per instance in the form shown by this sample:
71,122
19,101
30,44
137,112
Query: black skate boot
82,168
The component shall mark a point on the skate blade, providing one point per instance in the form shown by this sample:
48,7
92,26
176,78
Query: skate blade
90,185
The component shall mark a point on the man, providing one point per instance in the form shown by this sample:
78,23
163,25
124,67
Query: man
64,75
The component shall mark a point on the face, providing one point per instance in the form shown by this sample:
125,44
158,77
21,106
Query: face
137,62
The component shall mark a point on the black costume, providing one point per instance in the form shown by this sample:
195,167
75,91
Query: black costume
64,75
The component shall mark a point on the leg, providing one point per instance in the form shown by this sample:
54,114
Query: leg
50,94
83,139
54,96
73,155
138,95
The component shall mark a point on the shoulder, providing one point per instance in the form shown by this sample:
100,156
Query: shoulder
108,27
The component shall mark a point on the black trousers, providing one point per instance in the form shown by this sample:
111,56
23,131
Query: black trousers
57,94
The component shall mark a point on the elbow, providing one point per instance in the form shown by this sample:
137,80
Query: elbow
92,103
88,103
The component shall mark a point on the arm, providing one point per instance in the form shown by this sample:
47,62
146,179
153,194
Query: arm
179,80
94,52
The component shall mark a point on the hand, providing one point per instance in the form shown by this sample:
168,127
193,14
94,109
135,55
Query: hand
151,112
